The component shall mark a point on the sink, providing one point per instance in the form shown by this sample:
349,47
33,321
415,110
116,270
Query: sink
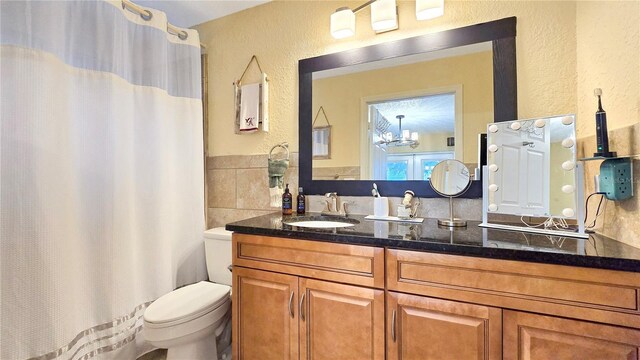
321,222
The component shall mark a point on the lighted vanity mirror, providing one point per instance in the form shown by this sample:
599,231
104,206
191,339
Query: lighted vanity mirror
532,167
443,88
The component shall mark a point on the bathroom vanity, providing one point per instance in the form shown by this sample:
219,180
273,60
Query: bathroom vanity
381,290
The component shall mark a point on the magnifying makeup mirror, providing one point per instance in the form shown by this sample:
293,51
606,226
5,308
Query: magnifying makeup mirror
450,178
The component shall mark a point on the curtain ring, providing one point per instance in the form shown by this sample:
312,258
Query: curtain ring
183,35
146,16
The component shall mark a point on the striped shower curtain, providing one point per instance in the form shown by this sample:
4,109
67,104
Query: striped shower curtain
101,175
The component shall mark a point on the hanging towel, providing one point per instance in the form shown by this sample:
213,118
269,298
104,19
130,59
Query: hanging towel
276,181
264,103
249,107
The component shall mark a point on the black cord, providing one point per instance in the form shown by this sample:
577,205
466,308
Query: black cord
586,209
593,224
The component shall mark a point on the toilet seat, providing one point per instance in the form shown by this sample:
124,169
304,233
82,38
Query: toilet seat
186,304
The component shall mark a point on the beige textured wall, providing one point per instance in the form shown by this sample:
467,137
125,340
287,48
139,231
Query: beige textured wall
282,32
608,53
341,97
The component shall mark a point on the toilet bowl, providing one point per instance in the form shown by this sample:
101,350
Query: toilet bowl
188,321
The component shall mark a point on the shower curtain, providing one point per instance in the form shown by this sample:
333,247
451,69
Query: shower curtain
101,175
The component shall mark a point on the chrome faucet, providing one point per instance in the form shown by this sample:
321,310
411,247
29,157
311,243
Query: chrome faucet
333,205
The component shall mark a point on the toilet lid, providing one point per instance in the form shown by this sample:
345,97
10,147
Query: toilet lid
187,303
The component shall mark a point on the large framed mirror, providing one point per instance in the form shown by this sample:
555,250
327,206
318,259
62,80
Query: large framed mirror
402,106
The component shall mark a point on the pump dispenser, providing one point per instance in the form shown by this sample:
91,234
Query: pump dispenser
287,202
602,135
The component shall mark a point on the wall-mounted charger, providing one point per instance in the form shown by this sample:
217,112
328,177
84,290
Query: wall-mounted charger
616,178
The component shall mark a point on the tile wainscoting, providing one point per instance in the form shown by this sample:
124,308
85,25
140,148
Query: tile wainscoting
238,190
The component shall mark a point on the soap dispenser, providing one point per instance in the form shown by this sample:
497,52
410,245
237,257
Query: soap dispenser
287,202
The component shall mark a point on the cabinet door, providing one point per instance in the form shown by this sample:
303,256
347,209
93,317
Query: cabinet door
529,336
340,321
424,328
265,325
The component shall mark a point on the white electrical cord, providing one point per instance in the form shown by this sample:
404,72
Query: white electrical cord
550,223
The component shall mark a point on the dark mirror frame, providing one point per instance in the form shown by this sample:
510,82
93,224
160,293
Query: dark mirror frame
502,34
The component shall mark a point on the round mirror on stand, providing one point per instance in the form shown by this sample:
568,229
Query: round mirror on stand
450,178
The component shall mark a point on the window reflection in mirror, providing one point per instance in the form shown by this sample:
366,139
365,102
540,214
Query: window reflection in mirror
443,100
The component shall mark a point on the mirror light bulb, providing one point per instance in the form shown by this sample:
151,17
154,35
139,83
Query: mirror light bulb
568,143
493,207
493,167
493,128
493,148
568,212
540,123
493,187
568,165
567,120
515,126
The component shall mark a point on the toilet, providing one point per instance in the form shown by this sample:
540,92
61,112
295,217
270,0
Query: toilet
190,321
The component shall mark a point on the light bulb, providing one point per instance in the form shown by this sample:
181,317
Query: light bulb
568,143
343,23
406,134
493,167
567,120
383,15
429,9
493,128
568,212
540,123
493,148
515,126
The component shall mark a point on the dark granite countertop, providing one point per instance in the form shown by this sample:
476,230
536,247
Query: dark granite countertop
596,252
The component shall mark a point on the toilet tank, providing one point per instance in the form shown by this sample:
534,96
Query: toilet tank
217,248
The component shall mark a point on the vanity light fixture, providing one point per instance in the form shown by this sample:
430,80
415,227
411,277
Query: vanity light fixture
404,138
429,9
384,16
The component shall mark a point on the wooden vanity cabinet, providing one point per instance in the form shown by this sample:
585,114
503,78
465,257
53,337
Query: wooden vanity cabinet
340,321
426,328
306,313
300,299
264,314
538,337
548,311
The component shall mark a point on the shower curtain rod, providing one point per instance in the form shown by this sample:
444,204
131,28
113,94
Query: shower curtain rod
146,15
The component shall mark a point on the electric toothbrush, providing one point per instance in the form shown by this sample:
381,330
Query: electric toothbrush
602,135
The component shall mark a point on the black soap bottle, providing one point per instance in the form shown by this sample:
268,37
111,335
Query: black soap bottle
301,206
287,202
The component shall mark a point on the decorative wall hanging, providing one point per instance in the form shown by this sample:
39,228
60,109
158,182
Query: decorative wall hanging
321,137
252,103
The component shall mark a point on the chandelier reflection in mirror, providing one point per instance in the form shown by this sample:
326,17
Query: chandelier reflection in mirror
384,138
